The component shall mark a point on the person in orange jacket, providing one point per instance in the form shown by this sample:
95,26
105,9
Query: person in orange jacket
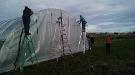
108,41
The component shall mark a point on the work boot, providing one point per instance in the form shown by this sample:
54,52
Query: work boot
27,33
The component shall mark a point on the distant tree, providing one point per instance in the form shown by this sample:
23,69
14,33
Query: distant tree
133,32
116,33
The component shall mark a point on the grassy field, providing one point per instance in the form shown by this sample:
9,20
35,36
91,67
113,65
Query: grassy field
121,62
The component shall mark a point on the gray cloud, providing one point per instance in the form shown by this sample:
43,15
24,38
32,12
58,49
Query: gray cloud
98,13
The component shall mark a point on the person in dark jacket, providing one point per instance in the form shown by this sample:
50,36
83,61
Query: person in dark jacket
27,12
82,20
89,41
92,40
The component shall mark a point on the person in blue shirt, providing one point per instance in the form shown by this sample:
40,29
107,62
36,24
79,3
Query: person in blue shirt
83,22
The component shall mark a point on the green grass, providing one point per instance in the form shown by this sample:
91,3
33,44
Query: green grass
121,62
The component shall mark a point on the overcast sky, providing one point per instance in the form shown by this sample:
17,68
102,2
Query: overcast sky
101,15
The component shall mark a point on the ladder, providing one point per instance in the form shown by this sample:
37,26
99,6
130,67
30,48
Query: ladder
84,41
64,37
30,47
25,50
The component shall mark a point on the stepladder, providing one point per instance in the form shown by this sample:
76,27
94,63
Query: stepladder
26,52
64,39
83,36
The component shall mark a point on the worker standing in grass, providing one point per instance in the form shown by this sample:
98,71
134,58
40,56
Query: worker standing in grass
92,40
108,41
27,12
89,41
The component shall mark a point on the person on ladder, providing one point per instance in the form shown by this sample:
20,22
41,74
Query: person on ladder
27,12
26,43
82,20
